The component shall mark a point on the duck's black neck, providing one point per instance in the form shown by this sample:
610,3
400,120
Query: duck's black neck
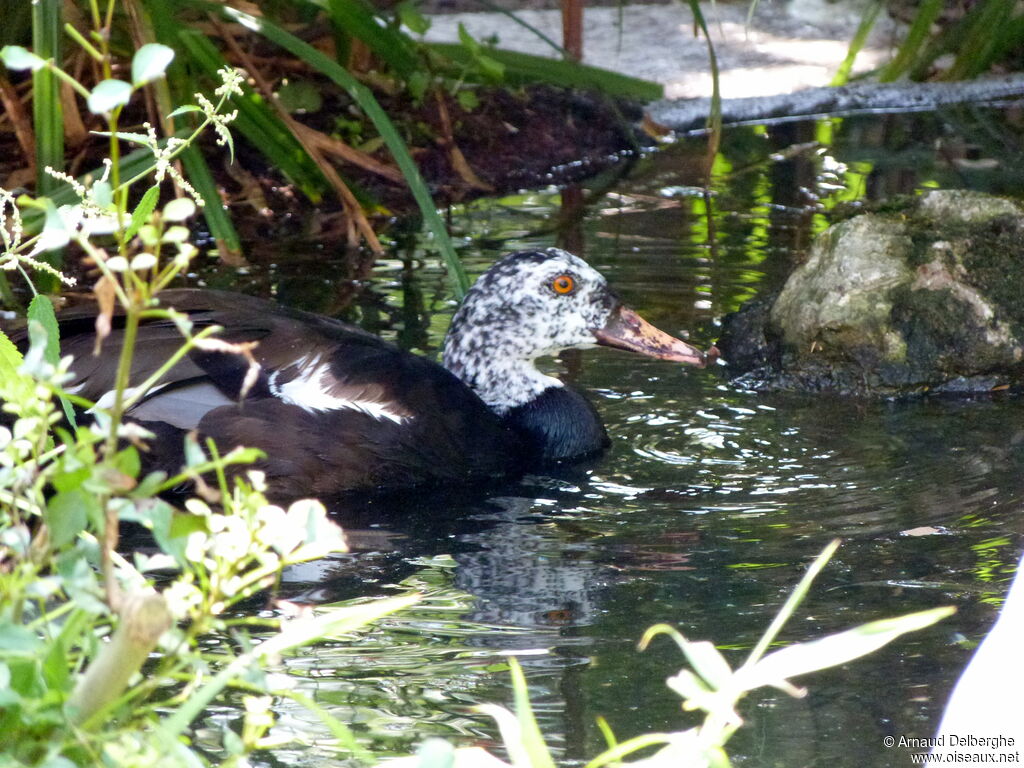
557,425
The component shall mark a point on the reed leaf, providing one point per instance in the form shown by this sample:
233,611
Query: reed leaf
358,18
714,121
47,111
217,219
860,37
910,49
525,68
983,33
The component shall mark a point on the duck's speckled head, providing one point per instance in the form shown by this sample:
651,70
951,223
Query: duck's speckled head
537,303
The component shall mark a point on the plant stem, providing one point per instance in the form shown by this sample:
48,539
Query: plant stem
144,618
794,599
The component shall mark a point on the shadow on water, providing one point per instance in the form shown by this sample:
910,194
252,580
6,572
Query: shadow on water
711,500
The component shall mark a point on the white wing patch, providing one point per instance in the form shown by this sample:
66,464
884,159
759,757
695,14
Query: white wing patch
315,389
106,401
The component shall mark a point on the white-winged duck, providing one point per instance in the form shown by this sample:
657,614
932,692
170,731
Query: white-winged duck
338,409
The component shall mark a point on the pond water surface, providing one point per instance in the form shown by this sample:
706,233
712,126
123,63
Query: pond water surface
711,501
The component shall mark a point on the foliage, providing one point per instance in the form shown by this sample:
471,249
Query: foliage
985,35
210,36
80,683
712,687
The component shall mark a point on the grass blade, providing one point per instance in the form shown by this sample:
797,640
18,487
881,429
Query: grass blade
860,37
525,68
919,30
358,18
493,7
983,33
795,598
714,122
47,114
47,111
41,310
223,231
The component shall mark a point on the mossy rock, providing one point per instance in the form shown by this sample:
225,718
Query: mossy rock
927,298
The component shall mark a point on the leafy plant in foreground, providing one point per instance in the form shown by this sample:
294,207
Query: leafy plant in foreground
106,659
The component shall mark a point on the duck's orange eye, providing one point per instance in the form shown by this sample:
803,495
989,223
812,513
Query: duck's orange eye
563,284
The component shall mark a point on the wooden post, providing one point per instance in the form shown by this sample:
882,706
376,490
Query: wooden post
572,28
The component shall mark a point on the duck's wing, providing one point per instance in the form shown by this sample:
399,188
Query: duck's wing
241,318
334,407
361,414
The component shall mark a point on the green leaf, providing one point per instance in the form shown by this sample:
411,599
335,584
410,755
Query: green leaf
66,515
41,310
417,84
467,99
70,478
149,485
525,68
709,663
170,528
150,62
411,17
833,650
11,380
232,742
127,461
491,68
108,95
184,110
55,233
57,664
103,193
142,211
15,639
16,57
134,138
467,40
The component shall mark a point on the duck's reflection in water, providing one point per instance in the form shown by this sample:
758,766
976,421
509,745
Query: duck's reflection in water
523,567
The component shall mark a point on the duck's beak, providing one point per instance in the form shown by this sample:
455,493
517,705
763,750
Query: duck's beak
625,329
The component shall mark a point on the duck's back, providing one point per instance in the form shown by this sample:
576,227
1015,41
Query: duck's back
334,407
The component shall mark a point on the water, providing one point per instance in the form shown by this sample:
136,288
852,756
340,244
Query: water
711,500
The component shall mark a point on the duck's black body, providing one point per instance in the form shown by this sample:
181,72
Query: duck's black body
439,430
337,409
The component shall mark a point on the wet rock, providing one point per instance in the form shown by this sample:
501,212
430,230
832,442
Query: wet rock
929,298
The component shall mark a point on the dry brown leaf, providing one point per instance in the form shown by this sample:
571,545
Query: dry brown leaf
106,298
